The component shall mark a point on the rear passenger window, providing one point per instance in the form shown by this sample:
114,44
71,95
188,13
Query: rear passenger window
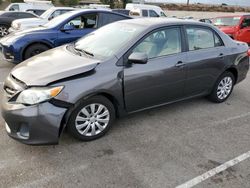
161,43
217,40
202,38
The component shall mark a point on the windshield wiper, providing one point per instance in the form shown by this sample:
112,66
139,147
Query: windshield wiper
85,52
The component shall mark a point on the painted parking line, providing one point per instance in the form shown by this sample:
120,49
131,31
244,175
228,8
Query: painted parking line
214,171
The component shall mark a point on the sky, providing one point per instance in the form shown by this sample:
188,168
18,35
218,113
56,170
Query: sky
229,2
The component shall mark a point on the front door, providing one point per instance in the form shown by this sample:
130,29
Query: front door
80,26
162,79
244,33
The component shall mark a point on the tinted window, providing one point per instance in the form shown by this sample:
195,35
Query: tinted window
109,18
152,13
145,13
246,22
25,15
200,38
85,21
9,14
161,43
14,8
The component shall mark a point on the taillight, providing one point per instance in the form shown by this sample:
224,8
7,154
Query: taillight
248,52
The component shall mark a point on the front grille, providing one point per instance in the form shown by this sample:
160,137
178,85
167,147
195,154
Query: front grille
12,86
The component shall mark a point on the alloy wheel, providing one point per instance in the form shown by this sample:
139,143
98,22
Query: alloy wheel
3,31
92,119
224,88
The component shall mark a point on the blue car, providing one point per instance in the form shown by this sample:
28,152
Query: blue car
63,29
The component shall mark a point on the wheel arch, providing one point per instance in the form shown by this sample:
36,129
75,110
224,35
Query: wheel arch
234,71
107,95
48,44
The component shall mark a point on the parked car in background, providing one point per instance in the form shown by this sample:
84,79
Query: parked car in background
62,29
48,15
121,11
237,27
119,69
6,18
38,12
206,20
29,4
144,10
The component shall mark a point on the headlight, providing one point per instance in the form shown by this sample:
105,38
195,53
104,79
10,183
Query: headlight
16,25
37,95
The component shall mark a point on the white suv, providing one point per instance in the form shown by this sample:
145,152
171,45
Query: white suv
21,24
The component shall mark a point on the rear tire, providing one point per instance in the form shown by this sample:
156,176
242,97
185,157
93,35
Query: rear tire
34,49
222,88
91,118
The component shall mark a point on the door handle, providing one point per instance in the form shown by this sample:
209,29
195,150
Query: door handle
221,55
179,64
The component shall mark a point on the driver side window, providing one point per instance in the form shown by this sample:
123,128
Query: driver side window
83,22
161,43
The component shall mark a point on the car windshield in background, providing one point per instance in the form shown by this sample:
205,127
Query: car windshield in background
226,21
58,20
108,40
46,14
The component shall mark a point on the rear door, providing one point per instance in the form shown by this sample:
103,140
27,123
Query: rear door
162,79
204,59
81,25
244,33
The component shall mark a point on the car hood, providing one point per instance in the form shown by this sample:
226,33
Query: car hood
30,21
228,29
18,34
52,65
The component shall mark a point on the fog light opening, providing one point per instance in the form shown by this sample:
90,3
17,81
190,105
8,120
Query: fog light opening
23,131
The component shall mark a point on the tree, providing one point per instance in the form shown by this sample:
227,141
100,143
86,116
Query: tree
187,2
69,2
111,3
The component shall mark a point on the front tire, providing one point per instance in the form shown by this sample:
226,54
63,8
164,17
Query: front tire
91,118
34,49
3,30
223,88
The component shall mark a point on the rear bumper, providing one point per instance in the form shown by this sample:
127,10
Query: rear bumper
35,125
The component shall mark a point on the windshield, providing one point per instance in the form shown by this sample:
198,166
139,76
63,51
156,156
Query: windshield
58,20
47,13
108,40
226,21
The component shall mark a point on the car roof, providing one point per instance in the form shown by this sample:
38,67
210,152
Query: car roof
156,22
230,16
62,8
76,11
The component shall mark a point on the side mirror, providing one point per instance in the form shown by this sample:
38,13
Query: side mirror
68,27
50,18
138,58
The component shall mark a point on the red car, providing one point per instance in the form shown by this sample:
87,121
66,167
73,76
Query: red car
237,27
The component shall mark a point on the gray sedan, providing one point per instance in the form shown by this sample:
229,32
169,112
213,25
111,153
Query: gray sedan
121,68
